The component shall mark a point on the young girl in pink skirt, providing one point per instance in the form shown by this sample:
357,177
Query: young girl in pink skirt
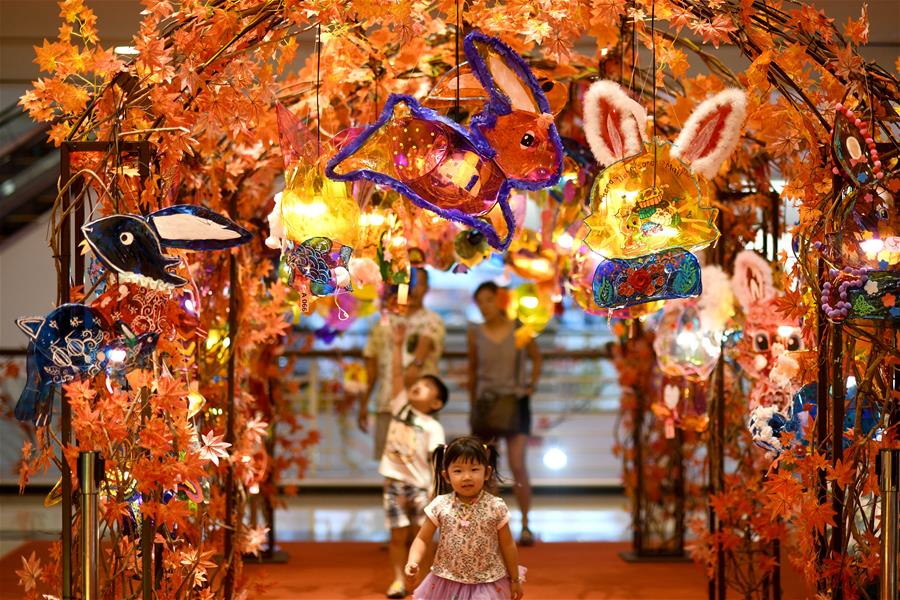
476,555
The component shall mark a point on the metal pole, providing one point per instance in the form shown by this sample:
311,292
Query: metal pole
837,447
822,421
90,539
65,425
889,475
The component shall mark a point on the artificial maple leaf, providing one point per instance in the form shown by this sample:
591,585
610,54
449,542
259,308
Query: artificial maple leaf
212,447
857,30
817,516
842,473
847,62
30,573
715,31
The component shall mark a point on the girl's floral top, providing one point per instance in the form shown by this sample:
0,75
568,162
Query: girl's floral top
469,547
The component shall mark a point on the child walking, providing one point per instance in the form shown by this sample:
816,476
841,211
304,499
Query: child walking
412,436
476,555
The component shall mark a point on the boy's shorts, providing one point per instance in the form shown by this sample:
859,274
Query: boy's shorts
404,504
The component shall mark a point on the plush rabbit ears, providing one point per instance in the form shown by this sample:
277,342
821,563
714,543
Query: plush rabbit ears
752,279
613,122
711,132
509,82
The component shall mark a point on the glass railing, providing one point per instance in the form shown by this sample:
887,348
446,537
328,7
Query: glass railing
574,413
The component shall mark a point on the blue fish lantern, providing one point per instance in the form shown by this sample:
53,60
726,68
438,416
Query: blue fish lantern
75,342
65,345
621,282
132,245
316,260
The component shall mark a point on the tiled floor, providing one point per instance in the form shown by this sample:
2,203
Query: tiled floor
313,516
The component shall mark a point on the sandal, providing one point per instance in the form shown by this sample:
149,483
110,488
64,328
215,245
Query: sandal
397,590
526,538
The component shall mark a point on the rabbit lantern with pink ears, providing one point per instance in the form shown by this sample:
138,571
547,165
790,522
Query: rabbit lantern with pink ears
463,174
768,338
650,205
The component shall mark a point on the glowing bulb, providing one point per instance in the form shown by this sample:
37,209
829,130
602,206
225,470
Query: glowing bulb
786,331
565,241
687,340
117,355
851,382
555,459
529,302
189,305
872,246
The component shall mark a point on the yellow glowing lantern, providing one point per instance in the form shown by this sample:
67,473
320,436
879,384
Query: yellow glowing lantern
530,260
631,217
314,206
533,307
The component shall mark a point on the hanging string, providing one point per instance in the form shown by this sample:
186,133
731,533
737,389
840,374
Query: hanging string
653,70
634,53
318,82
458,74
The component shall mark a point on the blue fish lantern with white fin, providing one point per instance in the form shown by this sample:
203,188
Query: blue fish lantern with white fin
75,342
133,246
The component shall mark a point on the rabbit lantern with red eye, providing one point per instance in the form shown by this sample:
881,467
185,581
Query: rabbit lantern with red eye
650,205
767,336
463,174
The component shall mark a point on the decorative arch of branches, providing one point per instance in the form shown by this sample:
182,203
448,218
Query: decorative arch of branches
201,90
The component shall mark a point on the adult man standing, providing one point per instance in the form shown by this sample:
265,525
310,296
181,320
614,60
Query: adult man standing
422,350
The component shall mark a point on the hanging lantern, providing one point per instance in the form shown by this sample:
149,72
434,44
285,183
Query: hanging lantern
313,206
532,306
684,348
652,195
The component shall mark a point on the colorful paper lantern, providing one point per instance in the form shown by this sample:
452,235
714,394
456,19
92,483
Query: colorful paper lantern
619,283
684,347
132,245
653,196
463,174
313,206
532,306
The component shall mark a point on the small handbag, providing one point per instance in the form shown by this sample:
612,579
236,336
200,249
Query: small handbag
495,415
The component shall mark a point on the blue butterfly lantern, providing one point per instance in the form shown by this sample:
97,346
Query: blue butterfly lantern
133,246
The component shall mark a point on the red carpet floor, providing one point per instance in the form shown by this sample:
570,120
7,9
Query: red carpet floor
558,571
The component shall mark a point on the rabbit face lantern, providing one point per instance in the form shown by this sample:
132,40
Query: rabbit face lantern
767,335
462,174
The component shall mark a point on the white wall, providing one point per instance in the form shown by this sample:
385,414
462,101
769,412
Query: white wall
27,280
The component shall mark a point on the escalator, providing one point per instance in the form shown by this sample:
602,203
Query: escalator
29,169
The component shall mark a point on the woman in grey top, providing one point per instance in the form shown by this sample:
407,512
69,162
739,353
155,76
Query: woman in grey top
497,365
